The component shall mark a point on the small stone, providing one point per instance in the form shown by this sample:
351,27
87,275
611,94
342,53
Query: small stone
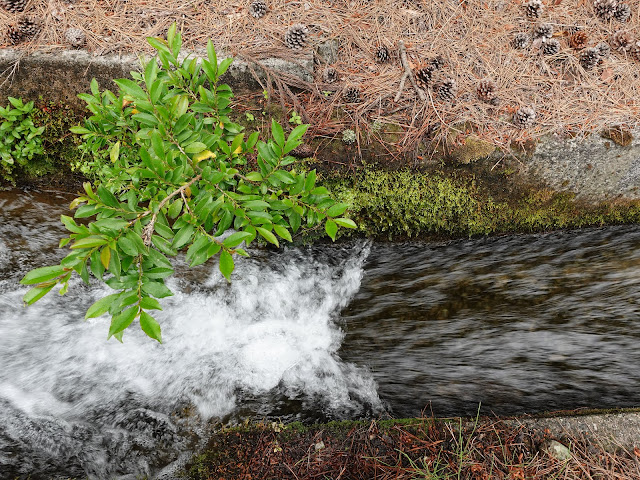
558,451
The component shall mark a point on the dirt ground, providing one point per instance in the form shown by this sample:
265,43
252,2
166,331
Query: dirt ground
475,39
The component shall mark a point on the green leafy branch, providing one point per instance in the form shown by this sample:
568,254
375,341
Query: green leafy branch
170,174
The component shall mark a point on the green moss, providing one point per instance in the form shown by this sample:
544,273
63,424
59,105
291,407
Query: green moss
60,146
409,204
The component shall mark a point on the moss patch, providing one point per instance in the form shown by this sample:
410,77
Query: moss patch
400,204
60,147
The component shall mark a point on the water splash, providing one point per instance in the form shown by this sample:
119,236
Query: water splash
75,403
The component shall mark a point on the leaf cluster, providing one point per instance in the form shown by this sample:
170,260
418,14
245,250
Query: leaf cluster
20,139
172,175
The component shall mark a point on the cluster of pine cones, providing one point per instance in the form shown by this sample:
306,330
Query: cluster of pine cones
578,39
25,27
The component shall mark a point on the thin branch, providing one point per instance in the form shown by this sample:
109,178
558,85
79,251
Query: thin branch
408,72
148,230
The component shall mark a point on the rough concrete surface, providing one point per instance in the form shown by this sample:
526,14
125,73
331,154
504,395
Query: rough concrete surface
594,167
61,76
611,430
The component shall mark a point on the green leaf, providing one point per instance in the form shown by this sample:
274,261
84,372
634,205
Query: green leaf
337,209
89,242
277,133
107,197
283,232
122,320
254,177
345,222
175,208
127,246
226,264
236,239
195,147
310,181
157,289
268,236
114,153
183,236
102,306
131,88
42,274
295,221
150,326
331,228
105,256
284,176
36,293
149,303
114,264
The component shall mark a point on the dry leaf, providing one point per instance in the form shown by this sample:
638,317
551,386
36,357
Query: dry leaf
636,450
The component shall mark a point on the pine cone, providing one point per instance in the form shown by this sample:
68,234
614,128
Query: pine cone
447,89
551,47
605,9
521,40
578,40
329,75
622,13
258,8
14,35
382,54
486,91
437,63
543,31
589,58
75,37
534,8
604,49
351,95
424,76
622,41
296,36
524,117
29,27
13,6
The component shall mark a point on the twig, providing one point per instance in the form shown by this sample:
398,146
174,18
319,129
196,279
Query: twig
401,87
408,72
148,230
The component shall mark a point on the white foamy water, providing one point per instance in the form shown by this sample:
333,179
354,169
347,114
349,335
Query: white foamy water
268,338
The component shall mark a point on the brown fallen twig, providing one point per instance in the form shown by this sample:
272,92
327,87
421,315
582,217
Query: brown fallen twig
408,73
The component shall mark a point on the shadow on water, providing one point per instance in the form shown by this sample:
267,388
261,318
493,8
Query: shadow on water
521,324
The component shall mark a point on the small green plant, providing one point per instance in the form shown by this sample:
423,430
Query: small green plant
249,116
295,118
171,174
20,139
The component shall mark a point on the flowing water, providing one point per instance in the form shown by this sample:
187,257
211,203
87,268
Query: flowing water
518,324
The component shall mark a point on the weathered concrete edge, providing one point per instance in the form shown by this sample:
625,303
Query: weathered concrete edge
612,431
593,167
61,76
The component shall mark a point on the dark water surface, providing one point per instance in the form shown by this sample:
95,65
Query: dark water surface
520,324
